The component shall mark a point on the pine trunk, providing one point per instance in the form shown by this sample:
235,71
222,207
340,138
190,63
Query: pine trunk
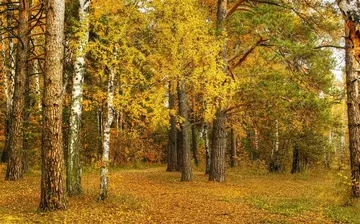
172,153
106,140
14,169
73,172
52,178
186,172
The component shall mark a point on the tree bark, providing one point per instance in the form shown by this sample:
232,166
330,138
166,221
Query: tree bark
295,167
73,172
186,172
351,12
16,135
172,153
217,167
11,86
232,148
52,177
106,140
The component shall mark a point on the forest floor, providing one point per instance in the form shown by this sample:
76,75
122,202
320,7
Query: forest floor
151,195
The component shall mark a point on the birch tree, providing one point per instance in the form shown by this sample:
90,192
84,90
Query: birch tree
73,177
104,179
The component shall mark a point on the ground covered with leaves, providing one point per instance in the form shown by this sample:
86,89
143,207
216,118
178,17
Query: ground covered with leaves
151,195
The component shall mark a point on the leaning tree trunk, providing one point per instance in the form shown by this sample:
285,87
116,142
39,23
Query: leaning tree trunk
106,140
172,153
73,168
52,177
16,135
217,167
351,12
10,85
194,143
186,172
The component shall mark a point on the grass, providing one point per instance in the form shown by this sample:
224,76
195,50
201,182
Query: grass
148,194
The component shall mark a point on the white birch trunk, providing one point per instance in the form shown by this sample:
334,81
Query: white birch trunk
74,143
37,84
106,140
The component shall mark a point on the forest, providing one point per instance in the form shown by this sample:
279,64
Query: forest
179,111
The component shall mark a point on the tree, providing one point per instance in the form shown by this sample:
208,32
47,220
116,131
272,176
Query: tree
172,154
351,15
217,167
52,176
16,135
9,78
186,171
73,175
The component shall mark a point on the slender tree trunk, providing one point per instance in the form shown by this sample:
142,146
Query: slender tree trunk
11,86
100,131
274,164
73,172
232,148
179,150
194,144
52,177
106,142
207,148
172,154
186,172
6,92
217,168
16,135
26,133
295,167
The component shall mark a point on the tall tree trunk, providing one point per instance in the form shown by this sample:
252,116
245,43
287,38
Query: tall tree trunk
295,167
217,167
350,10
11,85
106,140
207,148
232,148
16,135
172,154
186,172
73,171
52,177
27,109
